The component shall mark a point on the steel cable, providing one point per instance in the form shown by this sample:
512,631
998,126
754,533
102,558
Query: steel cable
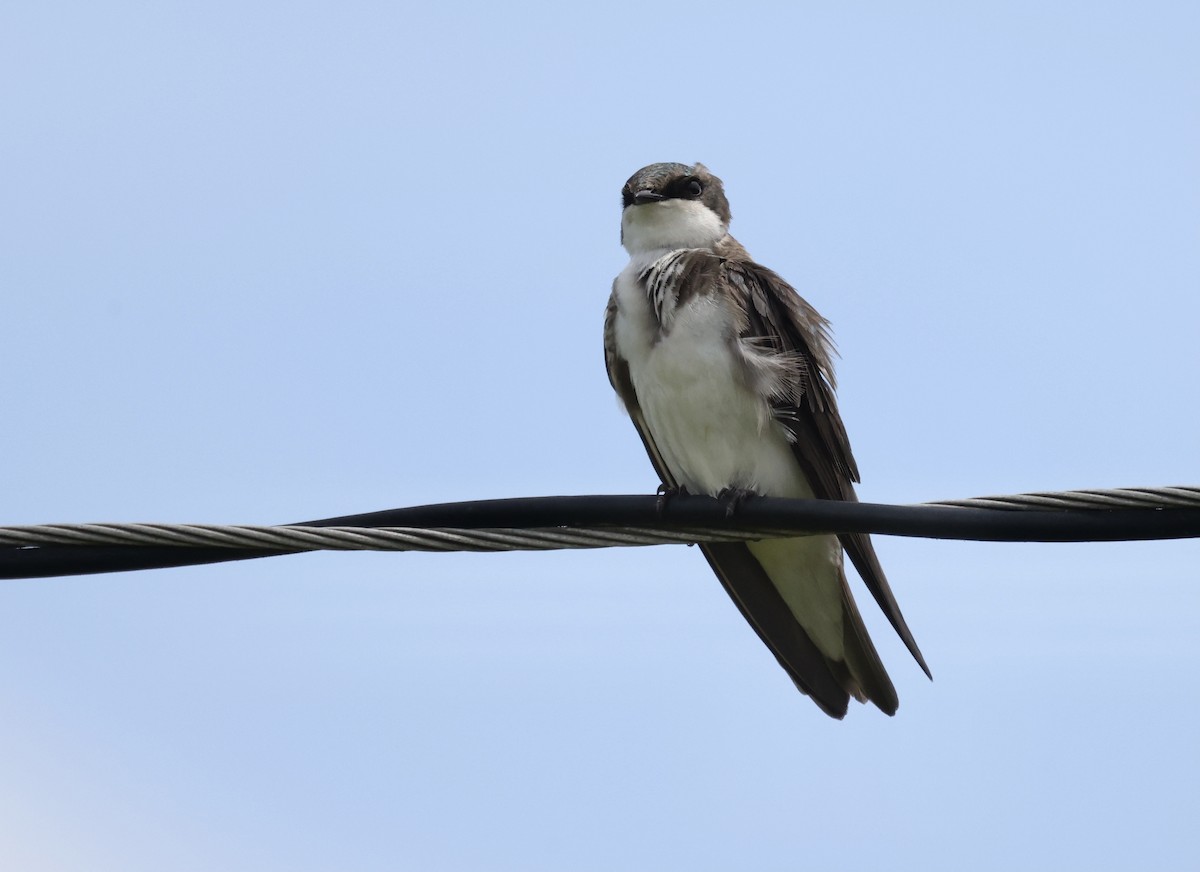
549,523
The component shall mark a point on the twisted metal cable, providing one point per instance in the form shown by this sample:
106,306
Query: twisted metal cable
293,538
545,523
1178,497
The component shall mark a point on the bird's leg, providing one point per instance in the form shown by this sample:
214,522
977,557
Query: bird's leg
733,497
666,493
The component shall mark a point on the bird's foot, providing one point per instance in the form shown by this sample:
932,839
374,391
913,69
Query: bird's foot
733,497
666,493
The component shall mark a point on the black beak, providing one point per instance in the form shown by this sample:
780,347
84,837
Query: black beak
645,196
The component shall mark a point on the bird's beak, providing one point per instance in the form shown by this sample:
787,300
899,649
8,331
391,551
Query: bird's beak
645,196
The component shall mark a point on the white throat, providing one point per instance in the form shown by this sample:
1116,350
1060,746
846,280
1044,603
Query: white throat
669,224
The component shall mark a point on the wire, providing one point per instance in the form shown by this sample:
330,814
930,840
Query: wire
544,523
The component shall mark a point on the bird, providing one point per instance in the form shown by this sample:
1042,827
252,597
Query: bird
727,374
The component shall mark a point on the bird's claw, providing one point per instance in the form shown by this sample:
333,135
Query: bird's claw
666,493
733,497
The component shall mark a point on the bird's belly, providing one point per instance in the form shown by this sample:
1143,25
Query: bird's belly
712,430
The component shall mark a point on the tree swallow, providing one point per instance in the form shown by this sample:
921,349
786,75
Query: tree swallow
727,374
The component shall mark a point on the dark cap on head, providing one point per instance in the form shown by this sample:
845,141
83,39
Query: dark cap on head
676,181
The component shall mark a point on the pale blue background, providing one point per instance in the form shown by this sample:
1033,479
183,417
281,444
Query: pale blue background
272,261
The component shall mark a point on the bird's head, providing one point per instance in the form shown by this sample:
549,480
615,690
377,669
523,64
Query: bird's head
673,205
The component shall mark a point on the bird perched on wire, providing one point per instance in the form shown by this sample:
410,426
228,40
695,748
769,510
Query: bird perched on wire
727,374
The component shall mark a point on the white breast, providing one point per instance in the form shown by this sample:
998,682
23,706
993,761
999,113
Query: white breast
712,430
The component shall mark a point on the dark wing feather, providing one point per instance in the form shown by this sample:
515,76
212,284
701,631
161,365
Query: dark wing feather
740,574
763,607
618,376
776,315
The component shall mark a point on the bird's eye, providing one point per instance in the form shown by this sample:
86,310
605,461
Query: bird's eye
694,188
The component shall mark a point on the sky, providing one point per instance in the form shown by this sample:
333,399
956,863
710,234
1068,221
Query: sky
275,261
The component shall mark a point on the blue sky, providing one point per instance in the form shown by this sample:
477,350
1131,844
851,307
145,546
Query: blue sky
281,261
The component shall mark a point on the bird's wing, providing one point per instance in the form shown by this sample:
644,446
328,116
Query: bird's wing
618,376
778,321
